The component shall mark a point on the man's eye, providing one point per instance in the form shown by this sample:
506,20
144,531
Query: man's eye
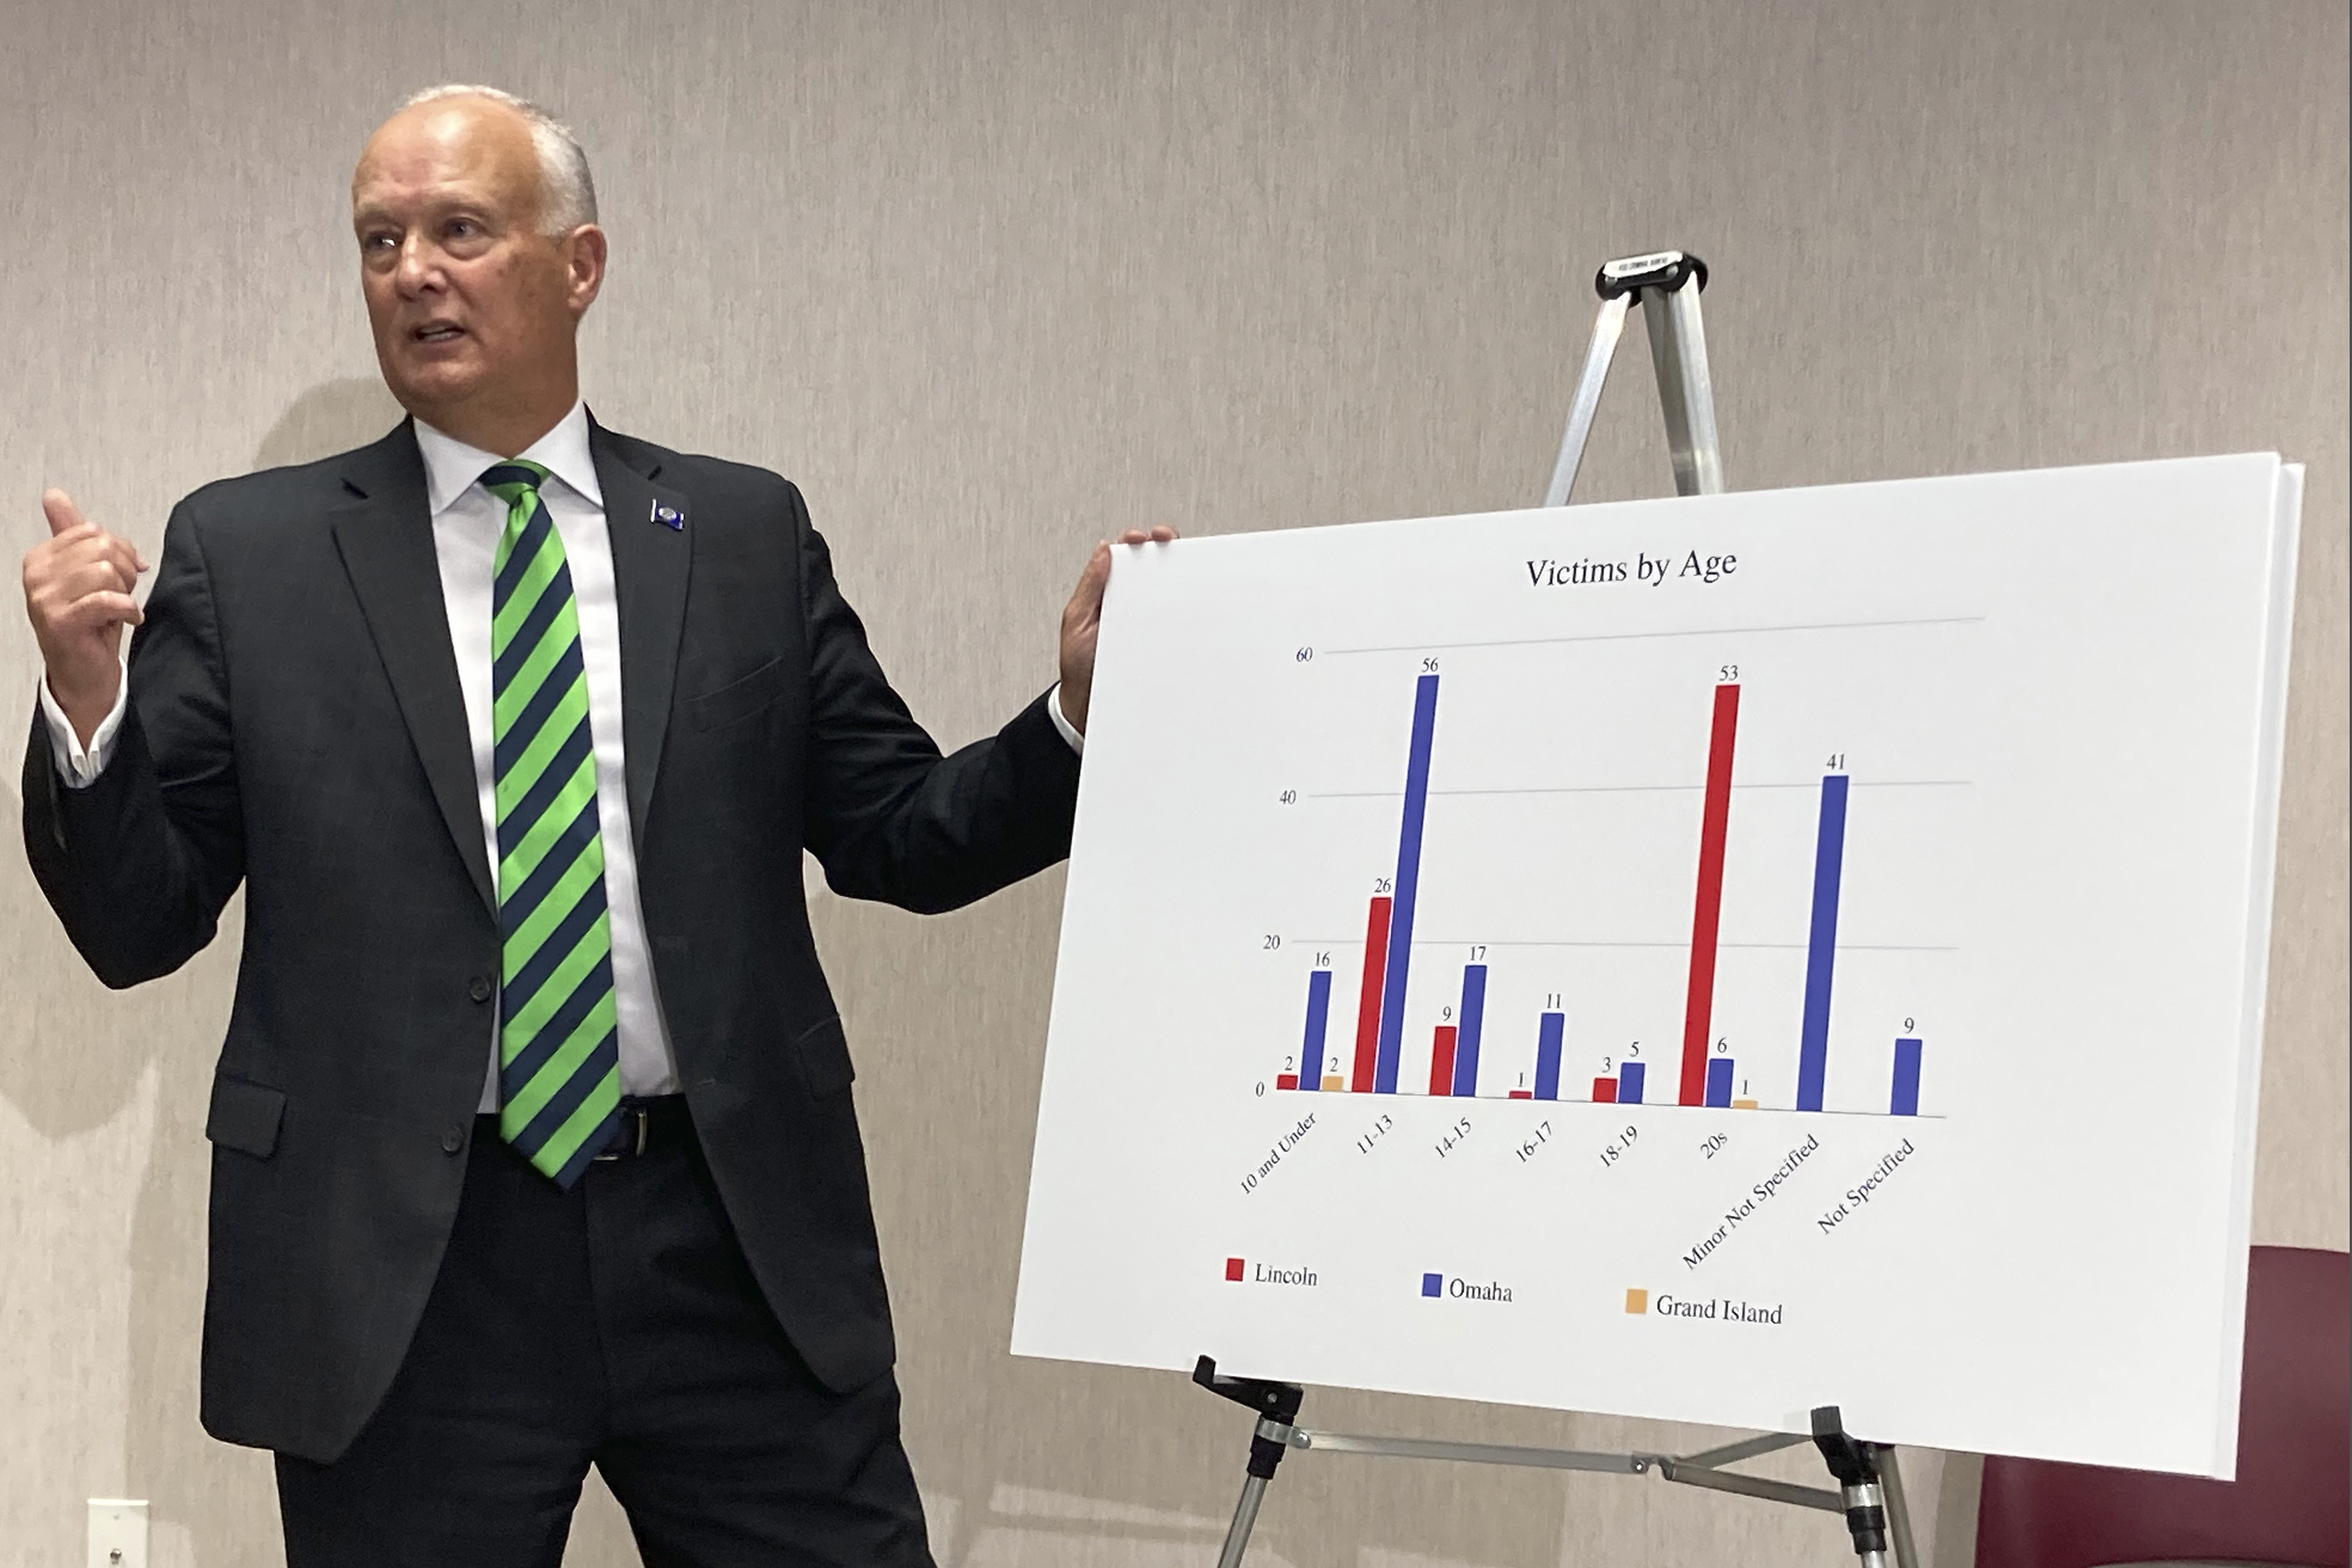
463,226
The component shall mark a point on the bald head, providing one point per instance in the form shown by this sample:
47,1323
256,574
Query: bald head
475,273
475,139
567,192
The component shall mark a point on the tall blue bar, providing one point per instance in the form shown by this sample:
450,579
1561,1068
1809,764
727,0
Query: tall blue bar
1318,1017
1821,952
1548,1038
1408,883
1629,1082
1718,1080
1905,1101
1473,1016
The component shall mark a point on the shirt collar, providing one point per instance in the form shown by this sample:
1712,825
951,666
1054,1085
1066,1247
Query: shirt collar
451,467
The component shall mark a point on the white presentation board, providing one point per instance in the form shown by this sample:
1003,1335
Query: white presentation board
1697,959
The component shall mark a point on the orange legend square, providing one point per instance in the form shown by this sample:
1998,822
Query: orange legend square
1637,1302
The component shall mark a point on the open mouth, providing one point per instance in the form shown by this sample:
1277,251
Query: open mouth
437,333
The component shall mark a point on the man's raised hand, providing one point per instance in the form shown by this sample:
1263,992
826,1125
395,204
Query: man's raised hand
77,586
1082,623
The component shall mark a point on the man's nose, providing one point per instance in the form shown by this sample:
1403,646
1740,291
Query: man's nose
418,269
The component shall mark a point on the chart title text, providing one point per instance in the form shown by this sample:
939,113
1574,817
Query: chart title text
1691,566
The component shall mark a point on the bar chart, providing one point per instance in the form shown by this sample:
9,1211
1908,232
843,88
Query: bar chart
1683,960
1705,1075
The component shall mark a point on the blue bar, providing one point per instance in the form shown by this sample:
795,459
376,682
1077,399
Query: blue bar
1907,1079
1718,1080
1318,1016
1629,1082
1821,954
1408,883
1465,1046
1548,1038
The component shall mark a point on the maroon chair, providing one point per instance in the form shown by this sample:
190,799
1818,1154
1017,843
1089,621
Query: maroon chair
2288,1504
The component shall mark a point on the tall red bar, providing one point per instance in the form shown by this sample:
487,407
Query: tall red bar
1699,1010
1604,1091
1368,1003
1440,1060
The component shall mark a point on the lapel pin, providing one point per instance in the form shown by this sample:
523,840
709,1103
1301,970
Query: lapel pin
669,516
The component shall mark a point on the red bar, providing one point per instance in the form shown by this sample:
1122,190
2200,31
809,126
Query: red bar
1699,1010
1368,1005
1604,1091
1286,1080
1523,1094
1441,1061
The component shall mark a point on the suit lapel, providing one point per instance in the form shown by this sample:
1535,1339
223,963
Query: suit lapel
650,566
385,536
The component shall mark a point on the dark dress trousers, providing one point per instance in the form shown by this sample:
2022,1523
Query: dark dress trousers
294,722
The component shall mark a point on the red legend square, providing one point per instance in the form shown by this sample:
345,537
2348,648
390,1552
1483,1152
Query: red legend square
1233,1269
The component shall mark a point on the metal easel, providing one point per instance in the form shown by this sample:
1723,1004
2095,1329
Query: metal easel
1870,1487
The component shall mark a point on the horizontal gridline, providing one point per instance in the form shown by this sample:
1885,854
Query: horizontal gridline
1647,636
1684,942
1549,1104
1640,789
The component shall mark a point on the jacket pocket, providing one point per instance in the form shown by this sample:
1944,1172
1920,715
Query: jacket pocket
738,700
245,1116
824,1059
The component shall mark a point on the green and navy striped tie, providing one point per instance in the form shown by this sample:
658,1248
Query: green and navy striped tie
559,1046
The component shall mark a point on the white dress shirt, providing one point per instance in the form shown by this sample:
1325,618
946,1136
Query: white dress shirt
466,522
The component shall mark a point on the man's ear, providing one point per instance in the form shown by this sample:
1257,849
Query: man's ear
584,257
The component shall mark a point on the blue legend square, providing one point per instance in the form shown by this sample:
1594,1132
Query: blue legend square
1433,1284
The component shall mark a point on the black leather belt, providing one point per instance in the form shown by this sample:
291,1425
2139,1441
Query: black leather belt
653,1126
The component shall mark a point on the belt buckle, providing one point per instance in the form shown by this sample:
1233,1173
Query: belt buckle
644,1118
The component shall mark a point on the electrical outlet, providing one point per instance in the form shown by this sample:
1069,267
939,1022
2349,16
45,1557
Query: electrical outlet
118,1532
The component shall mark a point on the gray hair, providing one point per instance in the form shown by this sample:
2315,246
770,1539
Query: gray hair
568,195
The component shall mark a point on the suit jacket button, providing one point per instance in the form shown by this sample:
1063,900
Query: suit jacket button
453,1140
479,988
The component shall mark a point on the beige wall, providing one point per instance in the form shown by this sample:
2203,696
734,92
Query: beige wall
990,278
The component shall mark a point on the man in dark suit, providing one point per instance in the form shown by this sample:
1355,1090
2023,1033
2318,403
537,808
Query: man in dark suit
533,1144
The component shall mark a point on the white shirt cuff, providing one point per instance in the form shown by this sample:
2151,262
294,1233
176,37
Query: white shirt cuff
1070,733
80,767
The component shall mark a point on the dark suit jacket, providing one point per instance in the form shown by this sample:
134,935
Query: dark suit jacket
294,722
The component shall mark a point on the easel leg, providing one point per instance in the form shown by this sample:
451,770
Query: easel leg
1245,1520
1276,1404
1856,1466
1898,1510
